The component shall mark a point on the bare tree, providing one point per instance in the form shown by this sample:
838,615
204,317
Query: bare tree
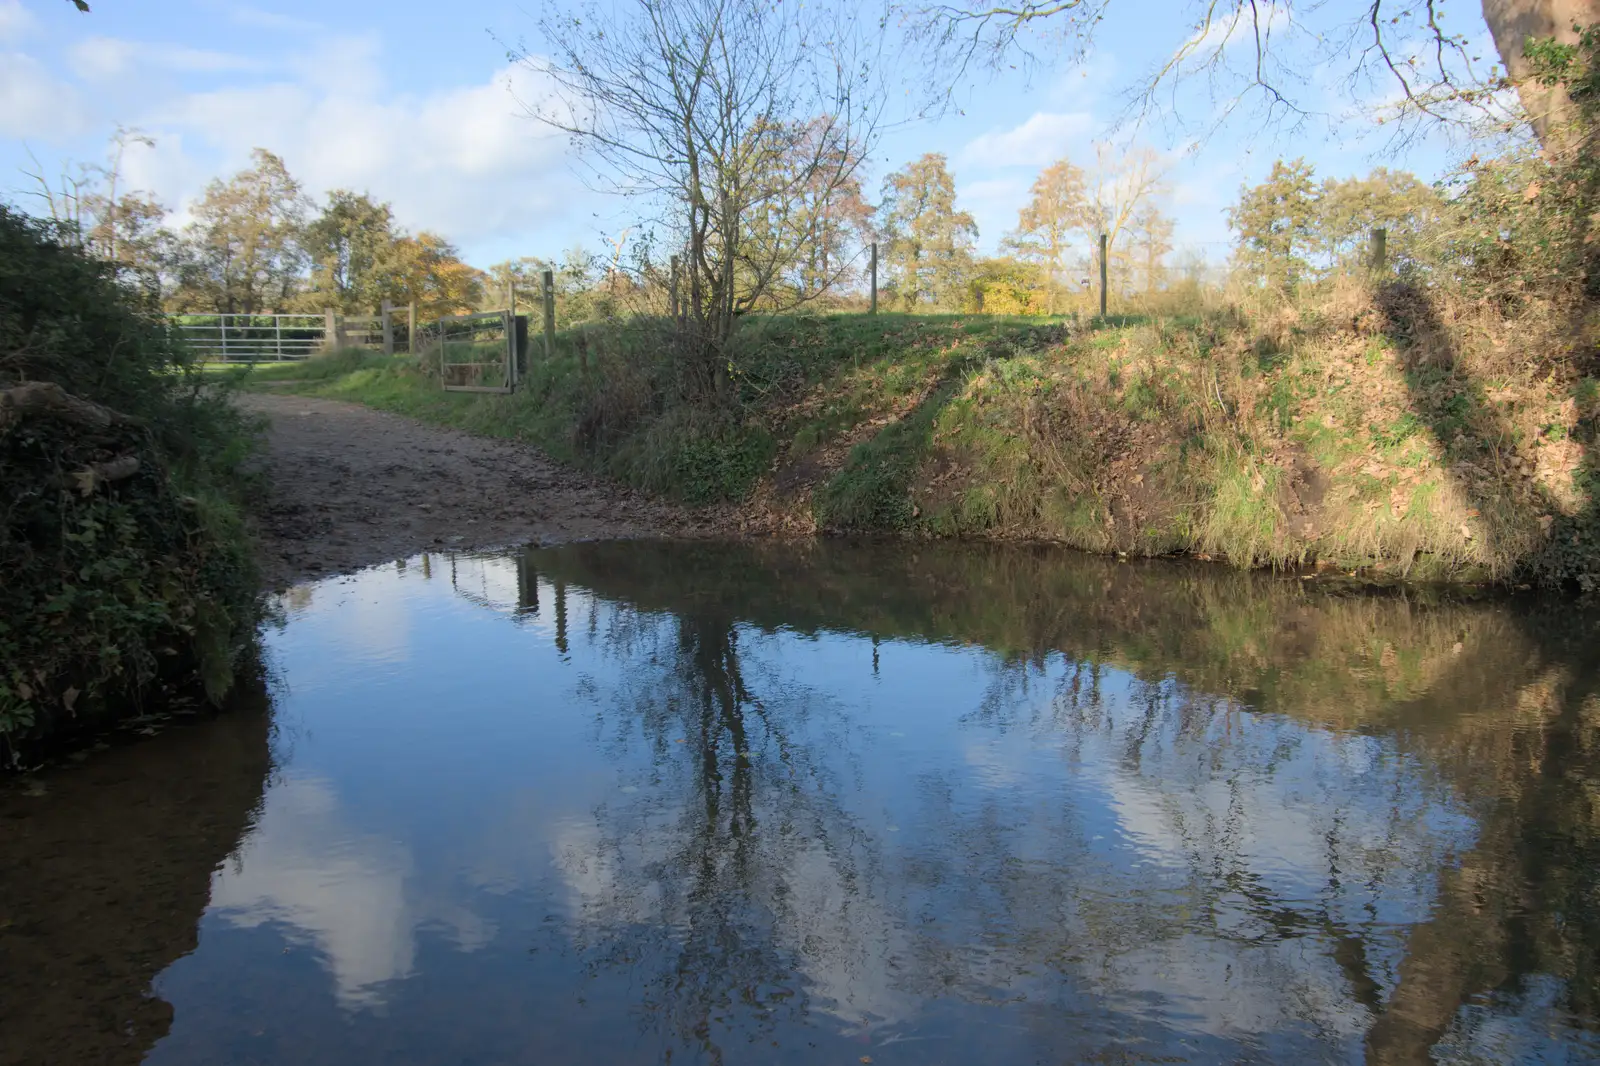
66,198
1121,183
735,122
1257,50
1151,240
96,212
85,196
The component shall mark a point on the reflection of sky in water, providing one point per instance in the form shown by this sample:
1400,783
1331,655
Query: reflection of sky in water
938,830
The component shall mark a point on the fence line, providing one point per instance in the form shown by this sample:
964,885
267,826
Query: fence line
256,338
250,338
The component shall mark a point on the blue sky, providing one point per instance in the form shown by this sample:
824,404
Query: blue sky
417,103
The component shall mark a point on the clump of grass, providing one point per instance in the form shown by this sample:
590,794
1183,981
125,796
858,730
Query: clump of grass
1242,518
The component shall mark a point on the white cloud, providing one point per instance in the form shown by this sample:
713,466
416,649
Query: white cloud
110,58
34,103
341,891
462,160
352,895
1039,141
993,204
16,22
256,19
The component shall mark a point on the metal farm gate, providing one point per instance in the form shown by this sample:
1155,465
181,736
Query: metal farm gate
228,338
476,353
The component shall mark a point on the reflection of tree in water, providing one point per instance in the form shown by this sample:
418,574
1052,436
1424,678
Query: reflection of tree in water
1356,823
1521,909
1503,938
736,882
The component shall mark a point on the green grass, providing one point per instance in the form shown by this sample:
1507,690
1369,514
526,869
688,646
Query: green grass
1129,434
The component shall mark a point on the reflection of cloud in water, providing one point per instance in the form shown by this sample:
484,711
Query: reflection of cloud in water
1204,986
598,887
376,617
343,891
847,942
1243,846
1275,831
842,940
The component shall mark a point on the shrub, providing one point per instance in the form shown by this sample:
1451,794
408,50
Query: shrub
126,561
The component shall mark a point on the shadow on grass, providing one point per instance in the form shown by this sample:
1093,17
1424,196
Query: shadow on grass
873,490
1454,406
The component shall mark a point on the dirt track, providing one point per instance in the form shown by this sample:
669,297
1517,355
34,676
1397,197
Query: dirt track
351,487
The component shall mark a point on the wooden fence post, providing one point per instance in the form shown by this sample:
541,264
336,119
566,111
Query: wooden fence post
1103,243
874,273
1380,249
411,327
386,311
549,314
330,331
508,325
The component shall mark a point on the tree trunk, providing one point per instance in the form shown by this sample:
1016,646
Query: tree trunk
1512,22
48,398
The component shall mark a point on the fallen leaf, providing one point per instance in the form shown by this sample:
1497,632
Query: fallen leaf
1532,191
69,697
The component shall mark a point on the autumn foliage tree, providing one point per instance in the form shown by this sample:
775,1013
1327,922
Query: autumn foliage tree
355,254
1047,224
1071,207
243,253
1276,223
432,275
928,243
1292,228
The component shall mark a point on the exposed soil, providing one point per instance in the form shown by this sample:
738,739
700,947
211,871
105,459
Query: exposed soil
352,487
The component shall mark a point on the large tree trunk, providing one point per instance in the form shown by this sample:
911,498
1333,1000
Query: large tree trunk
1512,22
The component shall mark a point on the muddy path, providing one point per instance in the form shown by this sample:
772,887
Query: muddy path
351,487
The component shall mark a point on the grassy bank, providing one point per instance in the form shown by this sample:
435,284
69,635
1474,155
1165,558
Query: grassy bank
1367,428
126,561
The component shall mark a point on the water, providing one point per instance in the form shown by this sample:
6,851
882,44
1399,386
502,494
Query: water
826,803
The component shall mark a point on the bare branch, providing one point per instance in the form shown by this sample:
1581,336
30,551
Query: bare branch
736,126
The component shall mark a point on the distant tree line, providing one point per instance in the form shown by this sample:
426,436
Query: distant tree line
255,243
